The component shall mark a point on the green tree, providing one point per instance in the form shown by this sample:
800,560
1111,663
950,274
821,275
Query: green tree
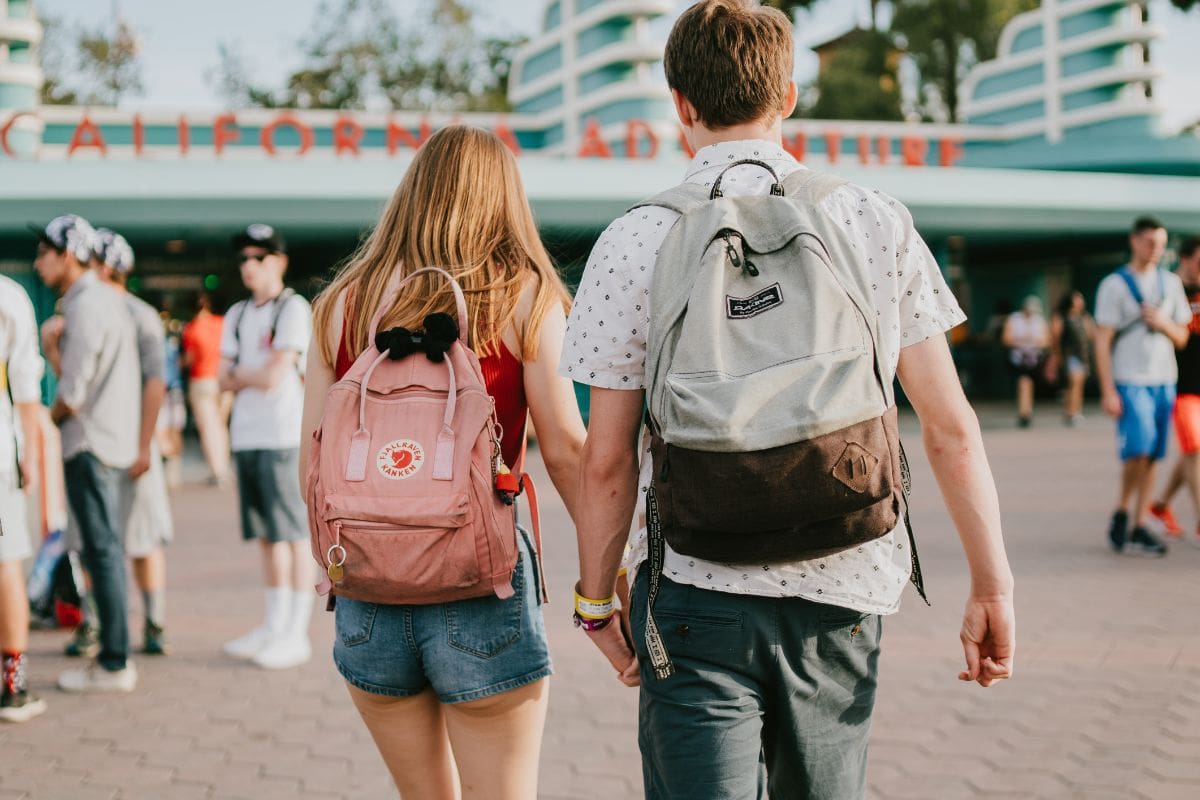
945,38
358,55
1185,5
859,82
790,7
83,67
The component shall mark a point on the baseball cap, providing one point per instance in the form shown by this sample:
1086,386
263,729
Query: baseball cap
260,235
114,251
69,233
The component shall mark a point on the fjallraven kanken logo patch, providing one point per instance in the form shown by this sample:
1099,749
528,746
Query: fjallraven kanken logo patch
755,304
400,459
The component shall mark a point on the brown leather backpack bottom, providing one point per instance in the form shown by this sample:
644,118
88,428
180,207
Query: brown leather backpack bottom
789,503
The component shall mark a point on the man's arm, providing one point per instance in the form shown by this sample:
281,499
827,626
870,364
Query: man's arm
608,488
955,448
1157,320
266,377
1110,401
153,392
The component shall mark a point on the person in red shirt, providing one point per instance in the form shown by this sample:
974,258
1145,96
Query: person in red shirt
210,406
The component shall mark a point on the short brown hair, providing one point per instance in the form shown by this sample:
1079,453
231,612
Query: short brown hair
732,60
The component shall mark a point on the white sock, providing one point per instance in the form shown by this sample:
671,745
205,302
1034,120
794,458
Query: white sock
279,608
302,606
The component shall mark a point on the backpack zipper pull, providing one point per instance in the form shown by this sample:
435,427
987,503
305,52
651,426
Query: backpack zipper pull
734,257
751,269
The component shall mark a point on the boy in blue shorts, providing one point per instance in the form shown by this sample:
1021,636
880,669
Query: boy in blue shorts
1142,314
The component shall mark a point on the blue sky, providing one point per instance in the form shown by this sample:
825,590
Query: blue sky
180,41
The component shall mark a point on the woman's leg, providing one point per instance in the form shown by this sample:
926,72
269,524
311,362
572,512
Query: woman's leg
1025,397
410,733
1075,393
497,741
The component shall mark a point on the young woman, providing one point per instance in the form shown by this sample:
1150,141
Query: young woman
1071,330
453,721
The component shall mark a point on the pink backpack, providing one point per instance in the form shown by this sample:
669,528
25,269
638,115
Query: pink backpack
406,488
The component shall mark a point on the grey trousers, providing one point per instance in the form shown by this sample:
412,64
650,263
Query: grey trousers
768,695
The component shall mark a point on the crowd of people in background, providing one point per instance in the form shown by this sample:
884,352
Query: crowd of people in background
113,437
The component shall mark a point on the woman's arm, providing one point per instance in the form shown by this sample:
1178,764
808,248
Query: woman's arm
554,409
318,377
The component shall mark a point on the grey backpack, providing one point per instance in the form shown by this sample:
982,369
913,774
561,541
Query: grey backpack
774,431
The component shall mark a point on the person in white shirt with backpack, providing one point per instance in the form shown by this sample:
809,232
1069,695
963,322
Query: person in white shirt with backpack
755,301
262,347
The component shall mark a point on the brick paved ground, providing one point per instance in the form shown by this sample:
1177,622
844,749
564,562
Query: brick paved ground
1105,704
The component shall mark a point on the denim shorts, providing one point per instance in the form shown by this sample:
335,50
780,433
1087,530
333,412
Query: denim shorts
464,650
1145,421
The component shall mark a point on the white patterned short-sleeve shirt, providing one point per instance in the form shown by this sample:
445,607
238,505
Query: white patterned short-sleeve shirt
606,347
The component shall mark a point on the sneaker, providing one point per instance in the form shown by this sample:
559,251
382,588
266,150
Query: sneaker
1118,530
1143,542
1073,420
248,646
85,643
1163,513
20,706
1024,422
94,678
154,641
284,652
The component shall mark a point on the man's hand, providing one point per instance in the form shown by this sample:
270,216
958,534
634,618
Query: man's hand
1110,401
1155,319
142,465
613,642
989,639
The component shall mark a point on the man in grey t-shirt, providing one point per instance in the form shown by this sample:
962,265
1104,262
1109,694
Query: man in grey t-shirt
97,409
1142,315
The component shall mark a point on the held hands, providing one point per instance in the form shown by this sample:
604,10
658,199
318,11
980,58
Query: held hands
613,638
989,639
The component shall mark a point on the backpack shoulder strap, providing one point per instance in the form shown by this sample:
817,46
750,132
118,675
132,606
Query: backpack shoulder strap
811,186
1131,284
680,199
277,306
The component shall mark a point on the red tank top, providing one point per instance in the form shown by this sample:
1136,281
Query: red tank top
504,375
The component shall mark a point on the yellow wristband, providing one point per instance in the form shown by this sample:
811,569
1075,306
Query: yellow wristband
594,609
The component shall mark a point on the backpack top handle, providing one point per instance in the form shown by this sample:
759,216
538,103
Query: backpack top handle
398,281
776,188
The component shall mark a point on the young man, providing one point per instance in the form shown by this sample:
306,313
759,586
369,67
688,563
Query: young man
1187,401
145,505
778,660
262,347
20,401
97,410
1142,314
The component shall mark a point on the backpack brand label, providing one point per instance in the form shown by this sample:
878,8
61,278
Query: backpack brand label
755,304
400,459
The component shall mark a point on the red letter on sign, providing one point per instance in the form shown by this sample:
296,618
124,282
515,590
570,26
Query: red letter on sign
949,152
594,145
634,127
183,135
883,149
8,127
397,134
913,151
833,146
798,146
225,131
86,135
267,137
684,145
864,149
507,136
347,134
139,135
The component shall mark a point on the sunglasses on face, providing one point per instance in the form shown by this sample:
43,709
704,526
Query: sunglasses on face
245,257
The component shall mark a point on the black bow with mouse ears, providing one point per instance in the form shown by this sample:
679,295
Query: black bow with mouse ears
441,331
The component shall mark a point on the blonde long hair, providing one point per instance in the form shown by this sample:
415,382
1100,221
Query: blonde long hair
461,206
